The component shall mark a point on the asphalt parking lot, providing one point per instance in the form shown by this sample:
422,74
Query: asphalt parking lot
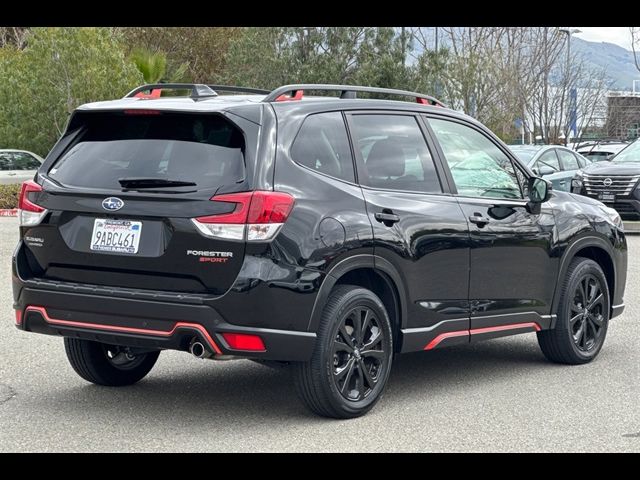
500,395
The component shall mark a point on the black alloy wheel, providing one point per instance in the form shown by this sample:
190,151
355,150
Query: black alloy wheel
352,357
358,355
582,315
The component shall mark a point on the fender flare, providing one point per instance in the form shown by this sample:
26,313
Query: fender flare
373,262
569,254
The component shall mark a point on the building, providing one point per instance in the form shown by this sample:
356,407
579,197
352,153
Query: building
623,115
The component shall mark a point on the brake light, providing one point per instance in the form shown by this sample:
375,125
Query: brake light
140,111
244,341
18,317
257,216
30,213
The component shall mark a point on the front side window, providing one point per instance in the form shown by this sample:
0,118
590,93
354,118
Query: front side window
569,161
394,153
479,168
548,160
322,145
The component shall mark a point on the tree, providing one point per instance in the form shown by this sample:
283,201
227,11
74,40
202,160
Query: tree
153,66
269,57
204,49
59,69
635,44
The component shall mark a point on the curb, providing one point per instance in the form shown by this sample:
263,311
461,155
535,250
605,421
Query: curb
8,212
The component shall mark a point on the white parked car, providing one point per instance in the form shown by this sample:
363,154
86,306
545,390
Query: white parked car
16,166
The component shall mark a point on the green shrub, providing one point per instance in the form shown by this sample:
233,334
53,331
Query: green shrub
9,196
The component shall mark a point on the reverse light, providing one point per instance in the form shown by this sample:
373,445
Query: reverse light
244,341
29,213
257,216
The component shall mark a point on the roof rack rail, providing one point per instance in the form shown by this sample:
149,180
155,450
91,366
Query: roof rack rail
295,92
198,90
231,88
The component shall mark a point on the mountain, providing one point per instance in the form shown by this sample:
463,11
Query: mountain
617,61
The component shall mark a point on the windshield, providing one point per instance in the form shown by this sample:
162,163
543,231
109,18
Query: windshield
524,154
629,154
204,150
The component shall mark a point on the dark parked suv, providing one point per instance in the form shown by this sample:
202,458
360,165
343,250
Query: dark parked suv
324,233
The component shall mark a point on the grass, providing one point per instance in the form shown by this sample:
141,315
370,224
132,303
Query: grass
9,196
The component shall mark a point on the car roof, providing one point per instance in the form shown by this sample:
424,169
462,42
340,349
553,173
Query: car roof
207,104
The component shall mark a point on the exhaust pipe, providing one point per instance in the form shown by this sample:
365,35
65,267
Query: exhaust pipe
198,350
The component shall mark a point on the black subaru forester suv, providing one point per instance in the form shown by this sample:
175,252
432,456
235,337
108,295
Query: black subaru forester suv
326,233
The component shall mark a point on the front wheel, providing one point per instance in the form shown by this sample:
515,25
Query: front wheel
583,316
352,358
108,365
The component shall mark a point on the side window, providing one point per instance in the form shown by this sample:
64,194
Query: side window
569,161
24,161
479,168
395,153
322,145
582,161
6,161
548,159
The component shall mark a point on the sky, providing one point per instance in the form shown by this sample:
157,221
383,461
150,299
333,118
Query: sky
617,35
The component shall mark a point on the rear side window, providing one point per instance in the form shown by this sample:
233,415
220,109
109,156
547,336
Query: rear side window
205,149
322,145
394,153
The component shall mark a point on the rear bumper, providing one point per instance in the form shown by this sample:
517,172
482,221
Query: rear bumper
146,324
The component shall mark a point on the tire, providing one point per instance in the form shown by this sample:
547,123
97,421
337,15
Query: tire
107,365
579,332
337,381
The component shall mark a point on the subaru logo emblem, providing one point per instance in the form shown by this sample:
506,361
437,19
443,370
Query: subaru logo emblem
112,204
607,182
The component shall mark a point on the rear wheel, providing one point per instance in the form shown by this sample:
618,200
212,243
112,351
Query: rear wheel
583,315
108,365
352,357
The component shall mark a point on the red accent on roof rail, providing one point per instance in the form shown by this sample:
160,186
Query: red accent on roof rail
155,93
287,98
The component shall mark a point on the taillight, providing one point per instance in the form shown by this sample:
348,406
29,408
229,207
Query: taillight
257,216
30,214
244,341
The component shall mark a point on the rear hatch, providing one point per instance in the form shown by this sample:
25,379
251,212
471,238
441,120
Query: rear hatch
122,198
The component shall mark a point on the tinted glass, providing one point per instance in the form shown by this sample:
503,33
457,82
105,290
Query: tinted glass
478,166
569,161
6,161
395,154
205,149
548,159
322,145
24,161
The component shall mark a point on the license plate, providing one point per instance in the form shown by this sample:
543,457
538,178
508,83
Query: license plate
607,197
116,236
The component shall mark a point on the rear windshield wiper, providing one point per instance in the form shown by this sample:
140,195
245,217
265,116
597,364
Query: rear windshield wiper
153,183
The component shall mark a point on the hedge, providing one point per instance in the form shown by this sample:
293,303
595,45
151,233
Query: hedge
9,196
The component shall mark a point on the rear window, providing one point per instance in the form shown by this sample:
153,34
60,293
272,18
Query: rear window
205,149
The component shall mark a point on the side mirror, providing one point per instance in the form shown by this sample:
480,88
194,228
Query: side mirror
539,190
544,170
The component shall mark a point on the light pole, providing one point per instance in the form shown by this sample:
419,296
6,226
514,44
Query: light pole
573,95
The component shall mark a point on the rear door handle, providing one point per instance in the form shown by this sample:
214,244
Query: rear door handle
387,218
479,220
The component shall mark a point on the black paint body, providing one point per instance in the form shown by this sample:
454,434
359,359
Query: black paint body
436,271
